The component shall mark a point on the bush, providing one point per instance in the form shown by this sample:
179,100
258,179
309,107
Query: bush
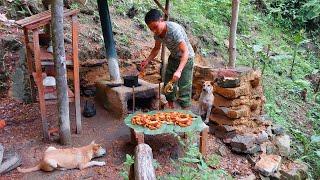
297,14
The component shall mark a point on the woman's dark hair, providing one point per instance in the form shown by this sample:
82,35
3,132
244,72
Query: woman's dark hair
152,15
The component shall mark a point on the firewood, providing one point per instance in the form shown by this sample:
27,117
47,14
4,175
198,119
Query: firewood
143,168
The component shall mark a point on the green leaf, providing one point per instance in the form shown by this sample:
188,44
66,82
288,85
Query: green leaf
214,160
189,160
257,48
318,153
315,139
197,125
281,57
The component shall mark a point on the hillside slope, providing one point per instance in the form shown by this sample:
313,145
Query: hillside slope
292,100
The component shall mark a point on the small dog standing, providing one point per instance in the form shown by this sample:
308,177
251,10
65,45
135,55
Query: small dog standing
206,99
70,158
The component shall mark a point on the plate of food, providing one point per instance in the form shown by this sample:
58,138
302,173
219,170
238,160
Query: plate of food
168,121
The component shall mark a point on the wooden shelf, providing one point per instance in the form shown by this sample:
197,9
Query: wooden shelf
46,57
43,18
36,58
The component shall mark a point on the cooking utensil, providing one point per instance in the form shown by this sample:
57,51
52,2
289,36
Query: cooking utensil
133,100
113,84
141,72
130,81
169,87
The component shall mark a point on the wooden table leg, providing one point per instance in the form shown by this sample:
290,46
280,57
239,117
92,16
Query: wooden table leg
137,138
203,140
184,135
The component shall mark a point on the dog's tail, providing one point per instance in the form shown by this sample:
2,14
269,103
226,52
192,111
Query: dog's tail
35,168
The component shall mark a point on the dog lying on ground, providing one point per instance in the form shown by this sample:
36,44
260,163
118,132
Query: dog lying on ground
70,158
206,99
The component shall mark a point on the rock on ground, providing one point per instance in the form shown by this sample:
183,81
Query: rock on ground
268,164
283,144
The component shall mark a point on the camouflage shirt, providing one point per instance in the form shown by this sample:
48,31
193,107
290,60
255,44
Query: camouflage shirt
175,34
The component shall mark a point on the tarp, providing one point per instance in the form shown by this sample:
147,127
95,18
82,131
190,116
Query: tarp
196,126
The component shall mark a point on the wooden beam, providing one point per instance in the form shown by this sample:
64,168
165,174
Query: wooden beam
40,85
76,81
161,7
203,140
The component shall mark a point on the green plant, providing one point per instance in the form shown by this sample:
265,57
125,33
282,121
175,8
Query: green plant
214,160
74,5
298,41
129,162
193,166
126,167
310,150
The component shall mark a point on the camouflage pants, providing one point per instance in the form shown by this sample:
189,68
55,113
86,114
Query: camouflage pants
183,95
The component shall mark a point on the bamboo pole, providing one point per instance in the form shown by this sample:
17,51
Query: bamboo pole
163,50
133,100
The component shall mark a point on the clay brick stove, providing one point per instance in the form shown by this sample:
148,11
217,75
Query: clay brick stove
118,100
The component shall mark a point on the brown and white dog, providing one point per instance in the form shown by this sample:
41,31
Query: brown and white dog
206,99
70,158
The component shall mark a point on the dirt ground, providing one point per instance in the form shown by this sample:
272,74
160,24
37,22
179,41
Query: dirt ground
23,134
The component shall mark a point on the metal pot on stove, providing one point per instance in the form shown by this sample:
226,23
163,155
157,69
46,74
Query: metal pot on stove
130,81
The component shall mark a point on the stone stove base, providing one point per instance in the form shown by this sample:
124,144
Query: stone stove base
115,99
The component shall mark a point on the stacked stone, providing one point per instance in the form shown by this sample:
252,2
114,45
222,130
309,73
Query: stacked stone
238,119
237,106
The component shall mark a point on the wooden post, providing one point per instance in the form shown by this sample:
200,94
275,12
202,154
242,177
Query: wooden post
143,167
159,97
29,64
136,138
165,11
203,140
133,100
233,32
75,27
61,71
163,50
28,53
39,83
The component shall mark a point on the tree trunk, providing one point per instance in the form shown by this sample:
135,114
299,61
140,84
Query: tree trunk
61,71
293,60
233,33
318,85
143,168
